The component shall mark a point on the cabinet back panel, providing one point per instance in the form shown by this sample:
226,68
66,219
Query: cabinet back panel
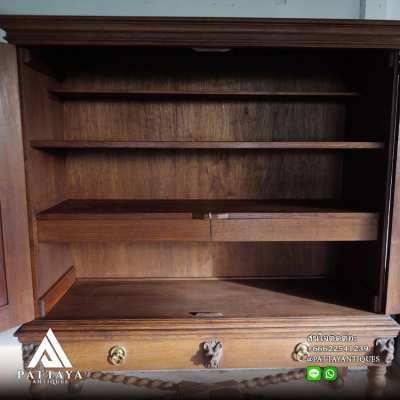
256,69
204,175
204,120
202,260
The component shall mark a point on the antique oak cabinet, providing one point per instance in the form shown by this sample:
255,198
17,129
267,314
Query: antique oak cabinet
194,192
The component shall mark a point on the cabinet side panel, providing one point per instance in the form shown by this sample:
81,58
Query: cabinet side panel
42,116
13,197
3,283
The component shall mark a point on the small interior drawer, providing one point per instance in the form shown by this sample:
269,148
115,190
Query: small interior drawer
123,230
358,226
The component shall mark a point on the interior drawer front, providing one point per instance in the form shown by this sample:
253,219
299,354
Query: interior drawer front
125,230
305,228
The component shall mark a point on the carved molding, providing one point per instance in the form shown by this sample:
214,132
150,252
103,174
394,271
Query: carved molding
199,32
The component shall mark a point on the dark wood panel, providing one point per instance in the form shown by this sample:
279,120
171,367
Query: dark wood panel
125,144
205,259
302,228
393,268
148,220
83,93
3,280
179,299
204,175
200,32
185,120
52,261
42,119
75,209
13,197
123,230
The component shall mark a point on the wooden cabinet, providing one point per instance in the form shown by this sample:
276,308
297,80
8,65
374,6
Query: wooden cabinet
189,179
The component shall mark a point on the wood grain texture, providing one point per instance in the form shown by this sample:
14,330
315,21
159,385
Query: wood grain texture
302,228
203,175
165,344
114,144
244,120
52,263
123,230
179,299
240,220
204,260
71,93
393,273
152,274
45,172
200,32
369,323
3,279
57,291
13,205
76,209
184,352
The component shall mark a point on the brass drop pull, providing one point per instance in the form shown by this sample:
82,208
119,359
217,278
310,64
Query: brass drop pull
117,355
213,352
301,352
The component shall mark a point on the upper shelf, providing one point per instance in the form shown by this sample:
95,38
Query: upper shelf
273,145
71,94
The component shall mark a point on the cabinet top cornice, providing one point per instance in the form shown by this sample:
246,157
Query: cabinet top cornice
200,32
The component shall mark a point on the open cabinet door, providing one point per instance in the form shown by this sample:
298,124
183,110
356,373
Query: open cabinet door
393,266
16,292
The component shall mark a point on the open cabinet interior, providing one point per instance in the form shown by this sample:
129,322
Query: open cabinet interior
187,183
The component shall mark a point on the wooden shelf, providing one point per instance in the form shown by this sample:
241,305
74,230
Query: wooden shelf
201,220
189,299
273,145
71,94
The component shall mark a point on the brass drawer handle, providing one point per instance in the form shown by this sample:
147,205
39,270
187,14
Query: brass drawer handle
213,352
117,355
301,352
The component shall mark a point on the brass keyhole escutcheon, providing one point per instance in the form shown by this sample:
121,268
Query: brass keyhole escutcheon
301,352
117,355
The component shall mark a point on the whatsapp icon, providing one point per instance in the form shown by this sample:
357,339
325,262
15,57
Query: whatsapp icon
329,374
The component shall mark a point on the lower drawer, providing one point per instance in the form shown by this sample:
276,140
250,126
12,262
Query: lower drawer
273,343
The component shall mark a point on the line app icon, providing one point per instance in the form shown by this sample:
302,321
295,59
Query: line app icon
313,373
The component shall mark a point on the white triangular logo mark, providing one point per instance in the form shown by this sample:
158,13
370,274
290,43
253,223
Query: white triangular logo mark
50,347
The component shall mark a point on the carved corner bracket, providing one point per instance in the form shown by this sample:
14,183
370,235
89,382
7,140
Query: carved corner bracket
28,350
384,348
